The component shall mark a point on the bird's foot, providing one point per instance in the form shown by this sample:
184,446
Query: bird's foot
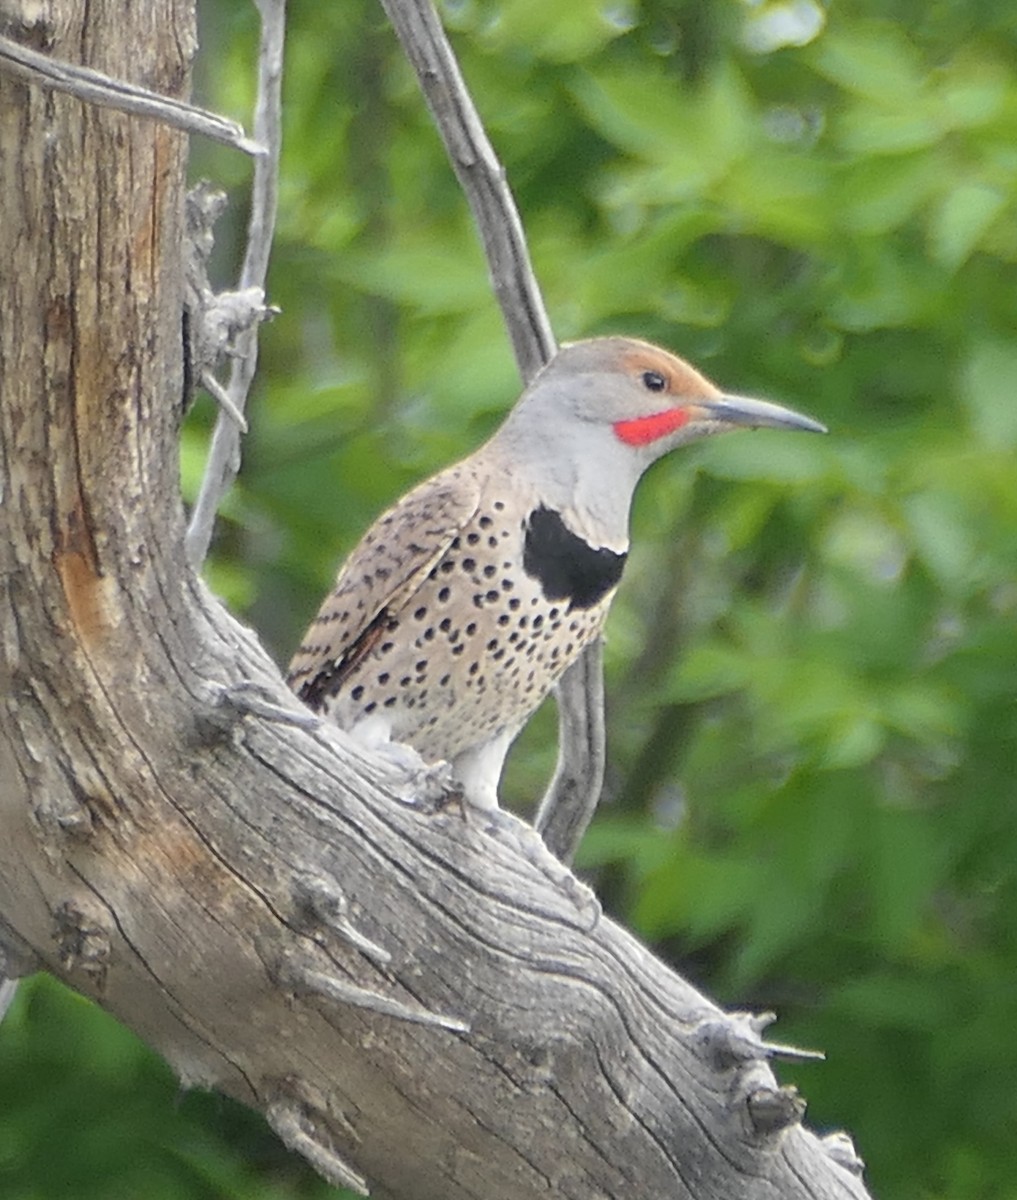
512,831
429,787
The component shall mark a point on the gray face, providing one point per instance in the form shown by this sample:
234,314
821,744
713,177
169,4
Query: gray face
607,380
643,397
600,413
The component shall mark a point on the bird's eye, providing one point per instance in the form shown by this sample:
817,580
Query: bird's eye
653,381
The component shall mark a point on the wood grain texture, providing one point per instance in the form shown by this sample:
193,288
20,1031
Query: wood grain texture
199,871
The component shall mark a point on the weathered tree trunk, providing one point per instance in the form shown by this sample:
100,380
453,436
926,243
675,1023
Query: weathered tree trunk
396,990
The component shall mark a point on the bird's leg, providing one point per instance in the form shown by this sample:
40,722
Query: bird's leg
479,768
479,772
430,787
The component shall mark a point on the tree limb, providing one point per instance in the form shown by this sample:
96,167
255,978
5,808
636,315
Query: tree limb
571,797
224,455
482,178
8,990
94,87
575,788
239,886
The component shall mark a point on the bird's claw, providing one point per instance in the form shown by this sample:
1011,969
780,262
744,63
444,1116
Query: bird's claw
430,787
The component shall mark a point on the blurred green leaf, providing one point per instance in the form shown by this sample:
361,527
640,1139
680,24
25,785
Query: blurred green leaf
877,59
989,391
962,219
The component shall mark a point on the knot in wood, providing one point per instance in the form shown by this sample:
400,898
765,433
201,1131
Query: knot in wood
773,1109
83,941
841,1149
726,1041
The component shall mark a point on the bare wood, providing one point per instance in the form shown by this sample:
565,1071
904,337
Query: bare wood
8,988
572,795
482,178
94,87
206,857
224,455
575,787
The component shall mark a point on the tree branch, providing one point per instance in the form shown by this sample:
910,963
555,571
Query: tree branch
482,178
8,990
572,795
224,455
93,87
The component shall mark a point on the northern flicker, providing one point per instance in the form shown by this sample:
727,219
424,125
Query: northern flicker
465,602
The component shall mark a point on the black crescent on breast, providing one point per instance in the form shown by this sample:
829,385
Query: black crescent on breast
566,566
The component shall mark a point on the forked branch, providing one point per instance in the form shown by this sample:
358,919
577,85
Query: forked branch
574,790
224,455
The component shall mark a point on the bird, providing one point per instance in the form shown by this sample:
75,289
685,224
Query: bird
466,601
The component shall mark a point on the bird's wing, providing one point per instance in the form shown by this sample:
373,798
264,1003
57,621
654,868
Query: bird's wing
379,579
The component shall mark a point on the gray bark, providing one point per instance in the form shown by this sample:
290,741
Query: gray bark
409,999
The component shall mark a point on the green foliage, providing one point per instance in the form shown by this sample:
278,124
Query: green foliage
89,1113
812,667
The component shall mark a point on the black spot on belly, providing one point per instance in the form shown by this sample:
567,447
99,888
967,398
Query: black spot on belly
566,566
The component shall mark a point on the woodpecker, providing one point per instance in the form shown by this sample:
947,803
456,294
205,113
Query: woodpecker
463,604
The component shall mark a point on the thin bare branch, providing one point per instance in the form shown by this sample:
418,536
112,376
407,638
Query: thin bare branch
8,990
222,397
569,802
482,178
224,455
298,975
96,88
572,795
293,1125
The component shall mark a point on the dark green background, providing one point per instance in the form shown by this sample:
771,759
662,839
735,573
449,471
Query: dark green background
812,666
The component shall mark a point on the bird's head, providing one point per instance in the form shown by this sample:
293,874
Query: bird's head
648,399
600,413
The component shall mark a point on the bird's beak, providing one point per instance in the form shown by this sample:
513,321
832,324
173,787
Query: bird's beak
754,414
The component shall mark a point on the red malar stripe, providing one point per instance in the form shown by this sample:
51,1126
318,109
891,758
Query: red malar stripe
640,431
